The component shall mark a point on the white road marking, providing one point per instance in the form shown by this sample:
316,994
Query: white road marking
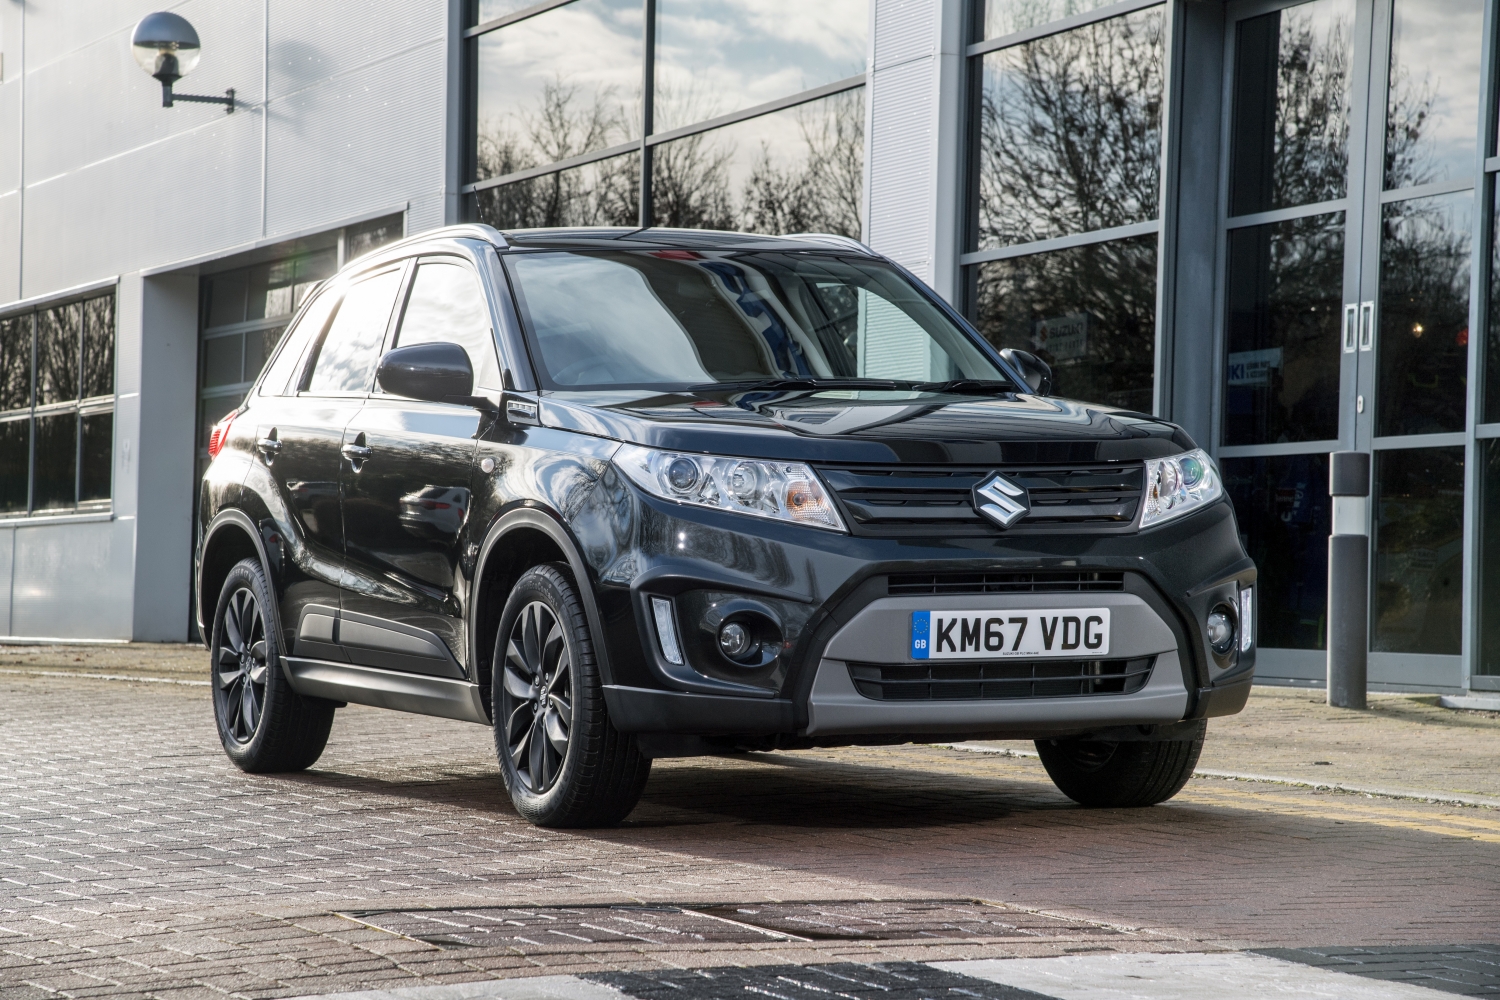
1221,976
535,988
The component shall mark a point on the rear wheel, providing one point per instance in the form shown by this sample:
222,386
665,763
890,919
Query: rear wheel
264,725
1120,775
563,763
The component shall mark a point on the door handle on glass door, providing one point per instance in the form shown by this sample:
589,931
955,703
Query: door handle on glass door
1366,326
1351,327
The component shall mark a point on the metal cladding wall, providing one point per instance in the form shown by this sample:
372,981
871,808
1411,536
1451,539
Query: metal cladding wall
346,111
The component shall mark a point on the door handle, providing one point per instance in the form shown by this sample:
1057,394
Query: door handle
1366,326
269,448
357,454
1351,327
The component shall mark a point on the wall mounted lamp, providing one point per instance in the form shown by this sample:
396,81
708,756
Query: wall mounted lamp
166,46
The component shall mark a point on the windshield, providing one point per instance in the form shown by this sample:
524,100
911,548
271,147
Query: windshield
673,319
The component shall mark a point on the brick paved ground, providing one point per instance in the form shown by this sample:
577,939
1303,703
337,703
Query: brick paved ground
135,860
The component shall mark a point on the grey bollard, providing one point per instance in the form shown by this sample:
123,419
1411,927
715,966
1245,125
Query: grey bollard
1348,579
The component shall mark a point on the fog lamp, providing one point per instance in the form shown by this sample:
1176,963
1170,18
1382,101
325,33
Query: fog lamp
736,641
1221,629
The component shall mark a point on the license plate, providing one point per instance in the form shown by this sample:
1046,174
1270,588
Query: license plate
988,635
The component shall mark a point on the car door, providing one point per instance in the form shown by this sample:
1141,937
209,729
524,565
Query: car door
406,509
306,452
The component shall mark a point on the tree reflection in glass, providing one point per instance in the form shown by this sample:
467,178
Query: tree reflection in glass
559,84
15,363
1424,315
1070,132
718,56
606,193
57,345
1418,545
1284,514
1089,312
1432,113
1290,131
1282,369
99,346
1489,557
1006,17
799,170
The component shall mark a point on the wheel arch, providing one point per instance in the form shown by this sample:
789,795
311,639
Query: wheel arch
531,536
229,537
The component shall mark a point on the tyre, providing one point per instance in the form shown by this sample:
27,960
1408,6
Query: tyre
1120,775
264,725
563,763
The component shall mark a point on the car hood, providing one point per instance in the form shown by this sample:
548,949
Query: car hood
869,426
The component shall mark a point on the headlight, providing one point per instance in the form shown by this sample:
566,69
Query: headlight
1178,485
788,491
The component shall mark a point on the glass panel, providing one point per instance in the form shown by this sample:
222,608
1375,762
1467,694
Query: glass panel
1285,516
718,56
607,193
15,463
97,456
1418,572
674,319
1489,558
1285,282
1070,132
1424,315
57,346
360,240
798,170
488,10
258,346
351,348
226,299
1089,312
557,85
99,346
1006,17
1432,109
446,304
56,461
1492,353
309,327
1290,134
221,360
15,363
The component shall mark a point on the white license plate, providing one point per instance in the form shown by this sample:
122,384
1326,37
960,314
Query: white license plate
988,635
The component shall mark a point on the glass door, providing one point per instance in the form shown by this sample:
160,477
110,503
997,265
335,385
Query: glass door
1350,218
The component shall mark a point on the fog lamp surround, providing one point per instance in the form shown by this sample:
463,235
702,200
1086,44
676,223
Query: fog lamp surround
1179,485
785,491
1220,628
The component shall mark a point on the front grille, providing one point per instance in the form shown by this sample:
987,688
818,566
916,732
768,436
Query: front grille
907,500
999,679
1048,582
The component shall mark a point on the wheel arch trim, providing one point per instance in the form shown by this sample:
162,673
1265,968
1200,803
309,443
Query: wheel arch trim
224,520
544,520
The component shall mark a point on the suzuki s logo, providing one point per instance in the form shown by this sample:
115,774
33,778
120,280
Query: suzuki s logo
1001,500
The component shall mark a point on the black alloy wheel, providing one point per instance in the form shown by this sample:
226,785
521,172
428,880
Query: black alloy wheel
264,725
240,666
537,698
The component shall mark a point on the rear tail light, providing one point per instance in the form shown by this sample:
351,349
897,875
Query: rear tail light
219,435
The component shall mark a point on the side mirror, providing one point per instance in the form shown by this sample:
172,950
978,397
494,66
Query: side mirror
436,373
1036,372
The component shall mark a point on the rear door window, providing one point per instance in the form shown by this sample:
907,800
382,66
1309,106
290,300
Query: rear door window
350,350
288,360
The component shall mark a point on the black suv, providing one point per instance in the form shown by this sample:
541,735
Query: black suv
624,494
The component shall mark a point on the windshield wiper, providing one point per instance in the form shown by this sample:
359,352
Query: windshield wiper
791,384
965,386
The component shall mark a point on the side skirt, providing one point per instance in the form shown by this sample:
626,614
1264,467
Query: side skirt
423,695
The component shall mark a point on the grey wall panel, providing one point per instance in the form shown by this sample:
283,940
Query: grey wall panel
427,212
10,130
164,470
7,555
904,29
314,42
113,108
73,579
190,194
900,163
360,142
10,247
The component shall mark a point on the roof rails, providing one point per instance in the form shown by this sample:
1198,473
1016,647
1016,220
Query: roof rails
847,242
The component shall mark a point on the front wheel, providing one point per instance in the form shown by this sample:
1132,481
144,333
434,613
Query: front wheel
1120,775
563,763
264,725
